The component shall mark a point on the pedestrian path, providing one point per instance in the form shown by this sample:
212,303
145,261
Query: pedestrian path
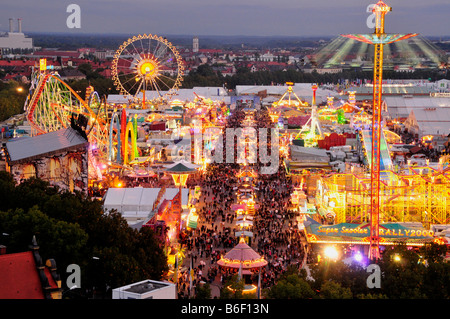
275,234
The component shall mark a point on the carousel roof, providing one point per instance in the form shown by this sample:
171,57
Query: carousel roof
242,254
180,168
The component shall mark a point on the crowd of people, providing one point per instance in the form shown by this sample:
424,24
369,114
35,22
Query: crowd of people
276,236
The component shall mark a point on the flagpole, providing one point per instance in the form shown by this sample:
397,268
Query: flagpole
190,276
259,284
240,271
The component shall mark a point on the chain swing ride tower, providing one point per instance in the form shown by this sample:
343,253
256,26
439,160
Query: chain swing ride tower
379,38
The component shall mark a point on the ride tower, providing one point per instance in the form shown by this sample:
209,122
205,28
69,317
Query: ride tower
379,38
313,123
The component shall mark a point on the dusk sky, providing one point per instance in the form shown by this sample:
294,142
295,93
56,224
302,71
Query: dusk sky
227,17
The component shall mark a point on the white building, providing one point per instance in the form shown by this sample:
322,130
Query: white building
15,40
195,45
267,57
401,106
147,289
302,90
187,95
442,86
429,121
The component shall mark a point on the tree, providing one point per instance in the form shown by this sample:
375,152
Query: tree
436,273
402,273
291,287
57,239
205,70
333,290
203,291
233,288
72,228
435,282
351,276
11,101
433,253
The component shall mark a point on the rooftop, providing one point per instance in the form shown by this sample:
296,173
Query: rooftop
146,286
242,255
30,147
25,276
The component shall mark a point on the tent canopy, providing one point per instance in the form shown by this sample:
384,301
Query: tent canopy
242,255
138,198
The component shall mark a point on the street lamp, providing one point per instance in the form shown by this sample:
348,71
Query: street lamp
180,174
331,253
70,289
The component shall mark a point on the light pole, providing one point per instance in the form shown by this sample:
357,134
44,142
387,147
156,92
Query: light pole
95,281
180,174
68,290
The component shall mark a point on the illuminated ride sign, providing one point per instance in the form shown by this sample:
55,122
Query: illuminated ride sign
390,233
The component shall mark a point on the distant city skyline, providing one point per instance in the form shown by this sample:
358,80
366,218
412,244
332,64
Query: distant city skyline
227,17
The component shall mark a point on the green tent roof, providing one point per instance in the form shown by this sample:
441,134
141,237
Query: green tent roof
180,168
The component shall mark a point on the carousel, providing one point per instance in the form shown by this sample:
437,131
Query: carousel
246,261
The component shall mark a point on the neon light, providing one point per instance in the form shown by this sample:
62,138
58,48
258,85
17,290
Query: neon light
129,128
114,120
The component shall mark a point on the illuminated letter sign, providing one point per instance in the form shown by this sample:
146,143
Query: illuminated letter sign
42,64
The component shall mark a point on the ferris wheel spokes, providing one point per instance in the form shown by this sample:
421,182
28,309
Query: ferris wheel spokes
147,62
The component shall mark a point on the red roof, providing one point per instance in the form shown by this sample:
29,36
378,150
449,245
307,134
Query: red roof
72,54
17,63
209,50
20,278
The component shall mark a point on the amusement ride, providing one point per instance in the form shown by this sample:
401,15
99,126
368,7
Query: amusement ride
147,70
143,63
379,38
147,63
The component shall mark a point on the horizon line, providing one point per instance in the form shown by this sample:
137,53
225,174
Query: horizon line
78,33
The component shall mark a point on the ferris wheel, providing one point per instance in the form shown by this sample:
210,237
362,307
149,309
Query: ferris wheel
147,63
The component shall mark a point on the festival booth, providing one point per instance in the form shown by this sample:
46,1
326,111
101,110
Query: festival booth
358,234
246,205
192,219
244,222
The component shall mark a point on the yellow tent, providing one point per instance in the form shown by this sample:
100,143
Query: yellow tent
292,113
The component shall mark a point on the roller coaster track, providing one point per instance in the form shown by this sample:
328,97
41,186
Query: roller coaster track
34,100
54,102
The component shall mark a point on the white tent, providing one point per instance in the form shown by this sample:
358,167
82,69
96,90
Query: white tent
213,93
114,198
131,199
146,202
429,121
402,106
302,90
139,200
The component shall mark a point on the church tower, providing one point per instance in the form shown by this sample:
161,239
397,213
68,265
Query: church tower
195,45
